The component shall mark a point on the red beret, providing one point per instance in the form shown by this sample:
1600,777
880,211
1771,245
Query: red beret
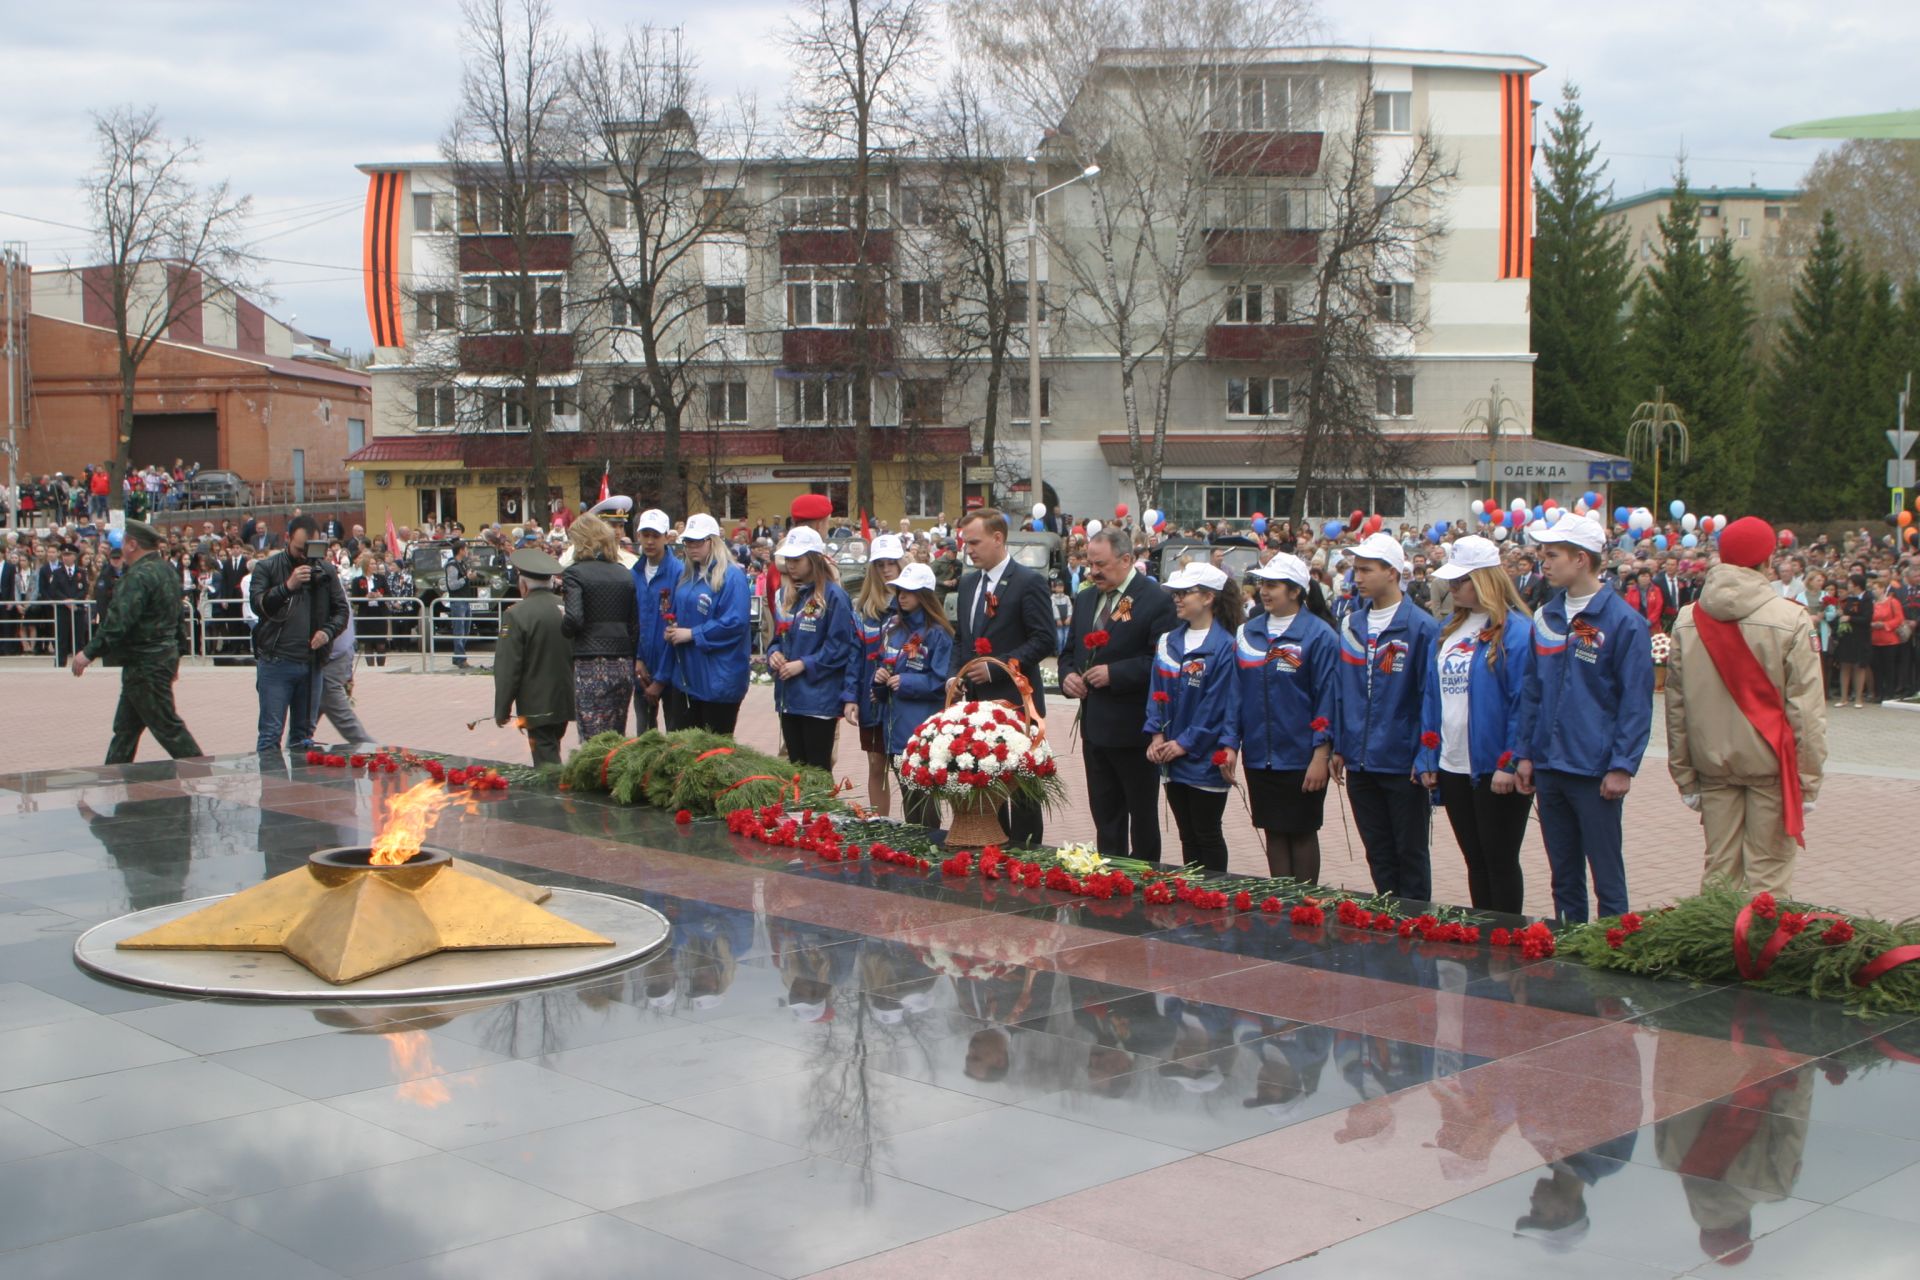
812,506
1747,542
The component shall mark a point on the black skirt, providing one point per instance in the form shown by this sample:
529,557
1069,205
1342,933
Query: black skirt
1279,803
1855,646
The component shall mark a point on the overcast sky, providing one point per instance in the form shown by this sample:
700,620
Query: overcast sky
286,98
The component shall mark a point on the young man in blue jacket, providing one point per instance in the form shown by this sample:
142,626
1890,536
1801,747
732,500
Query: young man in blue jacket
655,575
1584,718
1386,660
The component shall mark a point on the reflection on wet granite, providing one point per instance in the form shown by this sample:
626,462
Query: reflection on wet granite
833,1059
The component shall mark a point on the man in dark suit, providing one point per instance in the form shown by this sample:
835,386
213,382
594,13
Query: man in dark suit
1674,592
1531,584
1132,612
67,581
230,572
1008,606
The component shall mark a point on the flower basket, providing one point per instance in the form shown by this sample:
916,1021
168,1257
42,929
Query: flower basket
1662,647
978,756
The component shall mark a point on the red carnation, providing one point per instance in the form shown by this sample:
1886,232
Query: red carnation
782,627
1764,906
667,618
1498,937
1505,762
1162,696
1616,937
683,817
1243,901
1429,739
316,757
1220,758
1320,724
1305,913
983,646
1839,932
1631,922
1792,923
1096,640
1272,905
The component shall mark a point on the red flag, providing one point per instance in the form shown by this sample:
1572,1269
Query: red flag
866,530
605,492
393,539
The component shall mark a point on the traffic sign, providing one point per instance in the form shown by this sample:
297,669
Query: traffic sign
1900,473
1902,442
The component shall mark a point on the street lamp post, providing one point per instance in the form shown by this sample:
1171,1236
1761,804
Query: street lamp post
1037,485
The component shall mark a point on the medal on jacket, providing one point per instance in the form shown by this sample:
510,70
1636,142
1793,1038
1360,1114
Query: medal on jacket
1122,609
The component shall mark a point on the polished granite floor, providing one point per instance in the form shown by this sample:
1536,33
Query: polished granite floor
846,1070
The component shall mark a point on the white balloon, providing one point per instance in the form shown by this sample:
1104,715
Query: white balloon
1689,522
1719,522
1478,506
1039,511
1598,516
1554,514
1499,533
1519,504
1580,507
1093,527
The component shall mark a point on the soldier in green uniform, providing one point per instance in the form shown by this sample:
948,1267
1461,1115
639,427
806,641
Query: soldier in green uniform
145,629
533,663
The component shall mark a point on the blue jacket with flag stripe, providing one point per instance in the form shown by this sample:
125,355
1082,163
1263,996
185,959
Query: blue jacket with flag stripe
1494,690
1190,700
1287,681
1588,704
1383,686
656,601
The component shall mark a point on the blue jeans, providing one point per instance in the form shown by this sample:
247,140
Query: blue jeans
97,504
289,700
1581,831
461,611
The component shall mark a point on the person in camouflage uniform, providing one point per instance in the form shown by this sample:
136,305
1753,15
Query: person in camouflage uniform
145,629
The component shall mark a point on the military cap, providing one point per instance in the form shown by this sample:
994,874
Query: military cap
143,533
535,563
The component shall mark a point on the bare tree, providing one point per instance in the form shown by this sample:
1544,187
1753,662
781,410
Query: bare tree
1136,88
161,241
1382,230
652,205
1873,189
505,294
857,66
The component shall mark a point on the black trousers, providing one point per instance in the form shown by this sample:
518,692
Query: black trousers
646,712
543,740
1123,790
809,739
1489,829
1395,819
715,717
1198,814
920,808
1025,824
675,711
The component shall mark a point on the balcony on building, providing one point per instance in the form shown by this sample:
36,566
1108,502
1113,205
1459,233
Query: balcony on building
1268,343
830,246
485,253
547,353
1262,247
891,442
1263,153
814,349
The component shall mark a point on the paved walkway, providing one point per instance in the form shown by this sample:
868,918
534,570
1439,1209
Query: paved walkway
1859,840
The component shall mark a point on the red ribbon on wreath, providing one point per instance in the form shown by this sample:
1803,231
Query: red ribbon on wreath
762,777
607,759
1751,969
708,755
1885,963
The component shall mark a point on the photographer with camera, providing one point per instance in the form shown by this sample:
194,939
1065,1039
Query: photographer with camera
301,608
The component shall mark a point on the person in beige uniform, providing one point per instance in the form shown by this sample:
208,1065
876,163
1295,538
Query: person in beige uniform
1746,719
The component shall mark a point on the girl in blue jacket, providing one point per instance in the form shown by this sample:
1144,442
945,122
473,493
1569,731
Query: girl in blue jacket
655,574
870,610
1473,704
815,654
1288,659
1191,712
909,679
706,662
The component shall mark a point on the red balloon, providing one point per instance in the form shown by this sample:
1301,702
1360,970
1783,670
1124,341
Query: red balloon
1499,517
1259,515
1786,537
1120,511
1373,524
1548,505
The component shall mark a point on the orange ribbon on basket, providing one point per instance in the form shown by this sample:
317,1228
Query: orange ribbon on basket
762,777
607,759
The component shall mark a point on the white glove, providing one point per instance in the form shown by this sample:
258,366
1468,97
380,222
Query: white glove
1809,806
1691,801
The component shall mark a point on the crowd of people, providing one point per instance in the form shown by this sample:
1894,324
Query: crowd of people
50,500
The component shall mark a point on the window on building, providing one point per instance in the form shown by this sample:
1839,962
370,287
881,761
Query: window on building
1017,302
1019,395
510,304
436,311
1709,210
727,403
1771,212
836,492
632,404
1259,207
619,210
1393,112
919,302
1259,397
819,298
1746,228
1393,302
922,400
722,209
506,409
923,497
435,407
726,501
726,306
1266,102
490,210
823,201
1236,502
628,309
1393,395
919,206
1389,501
1247,304
432,212
819,402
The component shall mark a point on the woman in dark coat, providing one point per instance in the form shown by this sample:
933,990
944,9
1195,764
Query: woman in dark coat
603,620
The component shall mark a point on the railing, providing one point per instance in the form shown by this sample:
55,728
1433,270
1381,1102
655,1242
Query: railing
218,627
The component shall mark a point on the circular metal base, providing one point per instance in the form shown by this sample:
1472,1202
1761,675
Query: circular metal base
636,930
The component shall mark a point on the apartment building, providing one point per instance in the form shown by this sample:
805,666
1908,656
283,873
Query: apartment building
773,337
1752,219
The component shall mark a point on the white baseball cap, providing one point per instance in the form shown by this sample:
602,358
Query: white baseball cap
1285,567
886,547
914,577
1378,546
1469,553
1584,534
802,539
1190,576
701,527
655,519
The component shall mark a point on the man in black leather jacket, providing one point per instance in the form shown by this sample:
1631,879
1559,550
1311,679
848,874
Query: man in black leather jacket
301,609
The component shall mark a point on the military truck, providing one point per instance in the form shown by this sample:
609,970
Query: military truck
492,592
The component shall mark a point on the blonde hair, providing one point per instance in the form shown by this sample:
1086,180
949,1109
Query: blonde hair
1498,598
823,574
593,538
719,559
875,595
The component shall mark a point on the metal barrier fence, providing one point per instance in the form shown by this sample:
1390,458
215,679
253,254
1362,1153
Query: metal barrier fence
218,628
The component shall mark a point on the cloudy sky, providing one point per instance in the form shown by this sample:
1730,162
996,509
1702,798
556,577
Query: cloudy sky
286,98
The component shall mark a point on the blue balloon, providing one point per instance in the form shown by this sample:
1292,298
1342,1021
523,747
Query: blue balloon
115,537
1676,508
1486,517
1038,525
1591,498
1260,525
1620,515
1691,541
1659,542
1333,528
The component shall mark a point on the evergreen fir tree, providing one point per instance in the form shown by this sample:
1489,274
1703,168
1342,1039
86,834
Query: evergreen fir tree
1579,295
1690,333
1813,393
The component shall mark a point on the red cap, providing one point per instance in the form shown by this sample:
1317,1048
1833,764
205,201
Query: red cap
1747,542
812,506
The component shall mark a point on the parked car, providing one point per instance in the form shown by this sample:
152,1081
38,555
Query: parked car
427,564
219,489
